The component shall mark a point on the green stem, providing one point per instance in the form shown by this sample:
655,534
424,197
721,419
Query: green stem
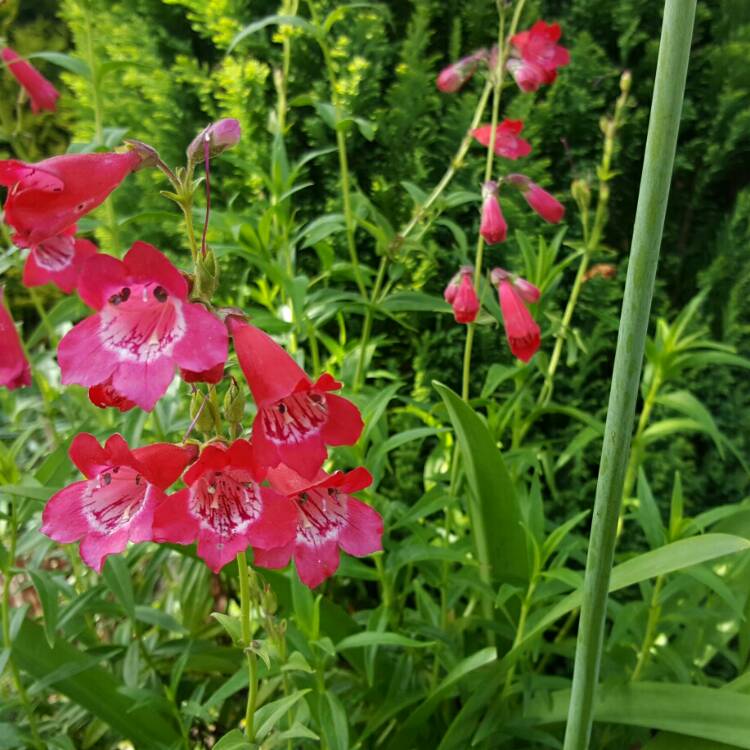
43,317
520,630
252,660
367,327
654,612
671,73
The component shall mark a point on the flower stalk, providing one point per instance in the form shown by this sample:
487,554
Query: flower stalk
243,570
661,142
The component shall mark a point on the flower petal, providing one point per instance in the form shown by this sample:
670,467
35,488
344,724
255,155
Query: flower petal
144,382
146,264
62,519
204,327
363,531
82,357
344,424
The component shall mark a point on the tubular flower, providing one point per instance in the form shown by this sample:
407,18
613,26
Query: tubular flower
42,93
14,367
328,518
47,198
144,328
507,143
453,77
221,135
462,296
539,54
116,502
521,330
544,204
296,417
224,508
493,227
58,260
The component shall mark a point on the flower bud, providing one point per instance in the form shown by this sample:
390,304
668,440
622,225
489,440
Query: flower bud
452,78
205,415
234,403
462,296
626,80
149,155
493,226
581,193
220,136
206,275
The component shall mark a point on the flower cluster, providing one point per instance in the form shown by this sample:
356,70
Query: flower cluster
267,490
532,57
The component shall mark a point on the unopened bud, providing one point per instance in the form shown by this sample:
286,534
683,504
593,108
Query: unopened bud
581,193
149,155
234,403
220,136
206,275
626,79
203,411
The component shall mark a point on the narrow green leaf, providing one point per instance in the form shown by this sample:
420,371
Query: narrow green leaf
358,640
47,591
235,740
116,575
253,28
73,64
267,716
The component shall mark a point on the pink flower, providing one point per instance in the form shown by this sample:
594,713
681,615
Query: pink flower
507,142
144,328
58,260
47,198
540,55
104,395
116,502
462,296
14,367
452,78
493,227
42,93
328,518
545,205
296,417
221,135
521,330
224,508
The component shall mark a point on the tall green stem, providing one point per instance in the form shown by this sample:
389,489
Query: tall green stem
250,656
671,73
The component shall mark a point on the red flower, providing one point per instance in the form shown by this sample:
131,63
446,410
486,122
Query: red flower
144,328
104,395
493,227
521,330
47,198
452,78
224,508
507,142
117,500
328,517
546,205
296,417
42,93
14,367
213,375
58,260
540,55
462,296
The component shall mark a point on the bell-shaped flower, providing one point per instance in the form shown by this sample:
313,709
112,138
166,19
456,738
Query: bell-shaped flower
58,260
492,227
144,328
296,418
47,198
507,142
42,94
544,204
539,54
521,330
462,296
14,367
328,518
454,76
224,508
116,502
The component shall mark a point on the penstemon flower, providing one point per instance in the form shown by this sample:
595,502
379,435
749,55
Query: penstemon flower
507,142
296,417
224,508
536,55
544,204
58,260
14,367
462,296
521,330
116,502
455,75
327,518
42,94
144,327
493,226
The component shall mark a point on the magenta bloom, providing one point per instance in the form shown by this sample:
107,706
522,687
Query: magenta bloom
462,296
507,142
546,205
521,330
42,93
116,502
328,518
493,227
224,508
452,78
58,260
221,135
47,198
144,328
14,367
296,417
539,54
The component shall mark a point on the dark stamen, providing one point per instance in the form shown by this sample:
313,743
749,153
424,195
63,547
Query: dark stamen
160,293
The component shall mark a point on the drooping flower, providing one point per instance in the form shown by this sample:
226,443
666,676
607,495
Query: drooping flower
220,135
539,54
507,142
296,417
454,76
42,94
224,508
544,204
493,227
14,367
462,296
47,198
58,260
116,502
144,328
328,518
521,330
104,395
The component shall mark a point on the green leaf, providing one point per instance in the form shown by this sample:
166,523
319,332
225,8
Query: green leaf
333,722
414,302
266,717
270,21
232,625
709,713
116,575
371,638
73,64
235,740
47,591
493,506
